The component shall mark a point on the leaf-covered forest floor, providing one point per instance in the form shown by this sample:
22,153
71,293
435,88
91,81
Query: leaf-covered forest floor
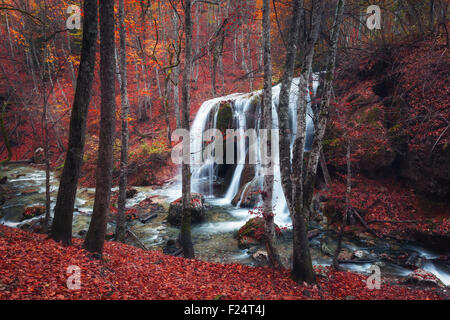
33,267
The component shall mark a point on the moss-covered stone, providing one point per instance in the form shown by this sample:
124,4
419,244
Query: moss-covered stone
252,231
224,117
196,209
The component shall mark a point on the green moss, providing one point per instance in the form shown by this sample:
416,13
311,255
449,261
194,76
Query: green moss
224,117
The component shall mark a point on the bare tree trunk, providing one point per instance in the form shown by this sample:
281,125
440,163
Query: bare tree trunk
302,264
95,236
120,226
176,70
185,232
283,105
347,205
62,223
323,166
46,151
323,111
269,226
176,96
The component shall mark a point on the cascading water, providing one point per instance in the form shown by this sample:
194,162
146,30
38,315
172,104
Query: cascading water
204,167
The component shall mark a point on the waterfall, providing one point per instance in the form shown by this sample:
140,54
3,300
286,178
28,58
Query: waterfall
204,168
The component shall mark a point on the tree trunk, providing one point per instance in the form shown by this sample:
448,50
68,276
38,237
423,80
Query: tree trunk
95,236
283,105
347,205
62,223
185,232
323,111
269,226
302,263
120,226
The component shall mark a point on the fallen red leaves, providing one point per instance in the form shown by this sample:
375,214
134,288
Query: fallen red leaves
389,203
33,267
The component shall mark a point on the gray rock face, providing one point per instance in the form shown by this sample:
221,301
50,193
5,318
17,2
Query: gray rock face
197,210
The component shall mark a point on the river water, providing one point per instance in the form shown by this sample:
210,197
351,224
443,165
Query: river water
214,239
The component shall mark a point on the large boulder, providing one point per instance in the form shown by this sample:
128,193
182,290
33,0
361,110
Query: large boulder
196,208
32,212
252,231
224,121
429,173
423,278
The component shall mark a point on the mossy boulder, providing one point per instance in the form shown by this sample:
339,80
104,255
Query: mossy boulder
251,232
196,208
32,212
224,117
225,171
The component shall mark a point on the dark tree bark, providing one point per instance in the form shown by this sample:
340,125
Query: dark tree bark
62,223
121,223
347,204
269,226
95,236
185,232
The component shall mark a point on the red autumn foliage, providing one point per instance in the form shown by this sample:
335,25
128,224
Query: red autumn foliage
33,267
387,200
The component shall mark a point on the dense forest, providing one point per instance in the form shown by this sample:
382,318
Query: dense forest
190,149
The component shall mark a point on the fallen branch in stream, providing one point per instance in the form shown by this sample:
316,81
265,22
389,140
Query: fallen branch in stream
136,239
370,230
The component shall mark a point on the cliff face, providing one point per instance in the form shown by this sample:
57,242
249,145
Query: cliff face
394,103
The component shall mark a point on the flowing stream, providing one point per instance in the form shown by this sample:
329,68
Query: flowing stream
214,239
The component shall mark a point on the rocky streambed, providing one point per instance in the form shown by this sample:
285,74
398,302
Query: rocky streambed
216,236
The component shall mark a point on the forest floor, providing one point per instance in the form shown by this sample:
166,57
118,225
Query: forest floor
34,267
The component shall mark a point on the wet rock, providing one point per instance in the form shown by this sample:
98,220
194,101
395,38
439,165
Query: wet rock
435,241
414,261
224,121
110,236
248,195
39,156
359,254
325,249
251,232
313,233
428,173
32,212
196,208
246,242
131,192
424,278
345,255
261,256
82,233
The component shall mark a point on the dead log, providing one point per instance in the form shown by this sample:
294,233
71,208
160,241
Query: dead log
136,239
178,252
365,224
150,217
